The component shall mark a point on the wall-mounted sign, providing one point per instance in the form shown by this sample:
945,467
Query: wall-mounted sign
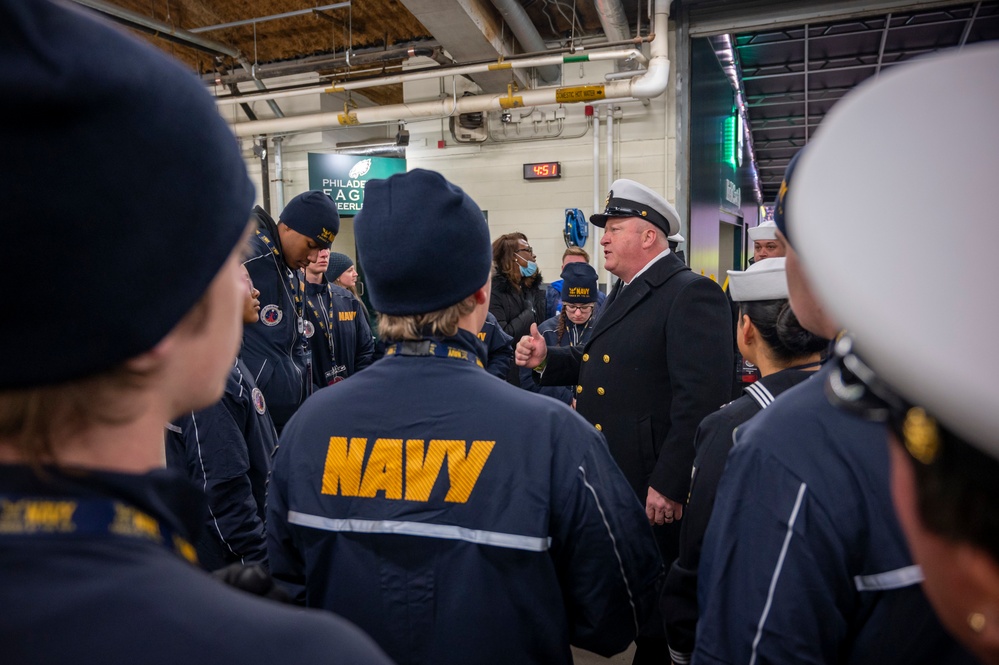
542,171
733,194
343,177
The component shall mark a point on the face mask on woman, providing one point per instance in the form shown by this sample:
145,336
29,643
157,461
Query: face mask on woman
529,269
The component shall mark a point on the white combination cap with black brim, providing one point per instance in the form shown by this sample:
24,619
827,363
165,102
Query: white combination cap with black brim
628,198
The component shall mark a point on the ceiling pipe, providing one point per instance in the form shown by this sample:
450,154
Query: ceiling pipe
272,17
159,28
437,73
522,27
613,20
380,150
275,109
645,86
314,63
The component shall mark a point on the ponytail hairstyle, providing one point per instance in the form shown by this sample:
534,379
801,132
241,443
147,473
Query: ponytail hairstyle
779,328
561,327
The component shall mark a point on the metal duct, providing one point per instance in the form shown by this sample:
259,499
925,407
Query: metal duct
523,29
159,28
380,148
613,19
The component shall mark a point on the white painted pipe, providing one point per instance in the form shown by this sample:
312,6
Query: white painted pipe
604,274
279,172
436,73
649,85
596,252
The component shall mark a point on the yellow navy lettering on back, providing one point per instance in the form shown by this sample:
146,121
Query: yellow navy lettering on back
391,461
482,336
348,316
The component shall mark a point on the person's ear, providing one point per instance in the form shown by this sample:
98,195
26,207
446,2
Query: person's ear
482,294
151,360
747,330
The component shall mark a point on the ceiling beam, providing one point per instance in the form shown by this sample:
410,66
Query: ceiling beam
470,31
719,17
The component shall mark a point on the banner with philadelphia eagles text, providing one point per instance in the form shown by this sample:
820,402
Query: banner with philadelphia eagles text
343,177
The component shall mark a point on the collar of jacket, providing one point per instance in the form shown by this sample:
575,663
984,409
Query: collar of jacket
657,275
164,494
267,224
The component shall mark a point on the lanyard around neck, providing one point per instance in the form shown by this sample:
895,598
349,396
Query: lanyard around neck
296,287
431,348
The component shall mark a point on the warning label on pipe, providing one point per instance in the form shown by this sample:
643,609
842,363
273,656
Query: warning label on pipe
582,93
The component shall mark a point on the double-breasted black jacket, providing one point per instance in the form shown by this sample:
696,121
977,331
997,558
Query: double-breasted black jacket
658,361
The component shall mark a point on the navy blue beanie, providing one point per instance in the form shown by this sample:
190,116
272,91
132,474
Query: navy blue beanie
579,283
314,215
124,195
780,208
423,243
337,266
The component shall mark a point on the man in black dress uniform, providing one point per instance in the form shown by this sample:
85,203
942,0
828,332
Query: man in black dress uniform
659,360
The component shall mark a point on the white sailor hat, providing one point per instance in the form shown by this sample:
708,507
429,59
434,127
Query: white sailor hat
924,323
764,280
676,237
628,198
765,231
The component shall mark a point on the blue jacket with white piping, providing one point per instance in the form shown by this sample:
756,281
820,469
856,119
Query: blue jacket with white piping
804,560
274,349
458,519
226,451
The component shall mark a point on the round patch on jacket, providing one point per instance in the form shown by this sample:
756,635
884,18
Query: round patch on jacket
271,315
310,329
258,401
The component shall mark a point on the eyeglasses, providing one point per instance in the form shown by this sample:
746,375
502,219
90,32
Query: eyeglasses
578,308
528,249
853,386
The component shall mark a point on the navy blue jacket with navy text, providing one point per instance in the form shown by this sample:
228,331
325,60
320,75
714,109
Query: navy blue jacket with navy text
338,332
273,348
458,519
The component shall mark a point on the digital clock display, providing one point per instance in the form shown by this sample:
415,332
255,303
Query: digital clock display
542,171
